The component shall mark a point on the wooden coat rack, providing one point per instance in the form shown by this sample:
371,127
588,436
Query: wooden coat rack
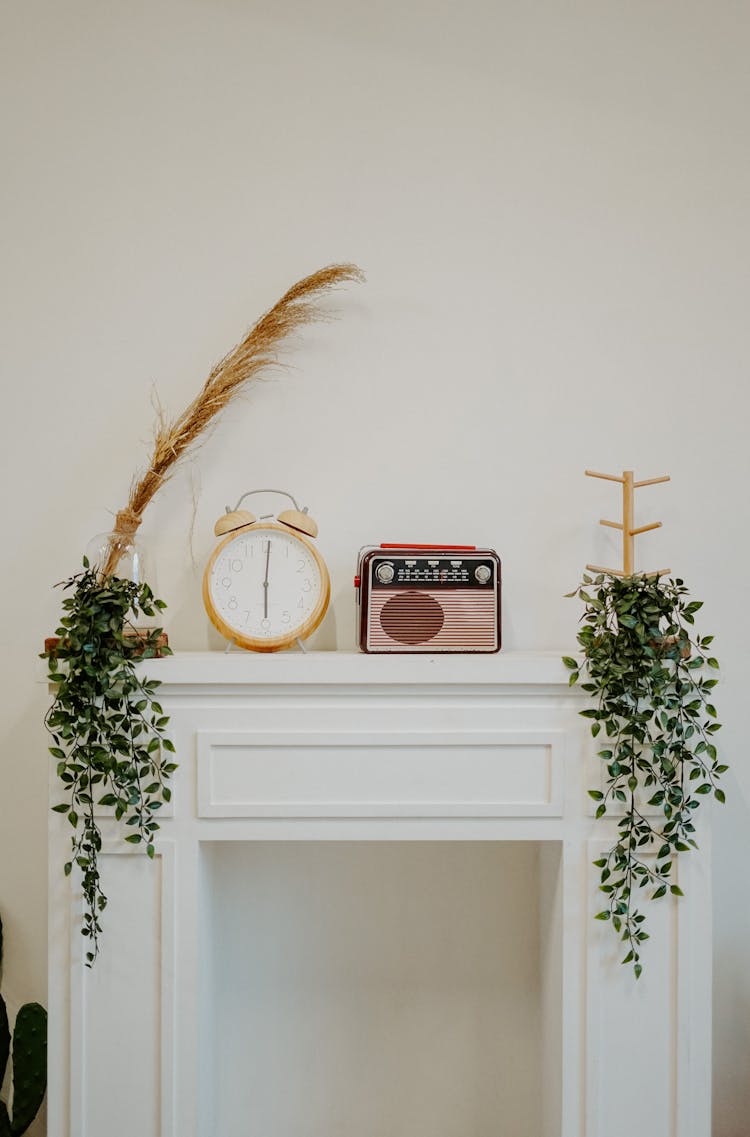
629,533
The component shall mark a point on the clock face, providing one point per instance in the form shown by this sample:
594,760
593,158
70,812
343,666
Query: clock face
265,586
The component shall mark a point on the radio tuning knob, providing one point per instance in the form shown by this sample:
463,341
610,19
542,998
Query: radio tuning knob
482,573
385,572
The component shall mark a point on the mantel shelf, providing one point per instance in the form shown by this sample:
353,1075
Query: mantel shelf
212,668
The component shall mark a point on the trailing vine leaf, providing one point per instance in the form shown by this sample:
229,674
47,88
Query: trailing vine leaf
649,681
107,727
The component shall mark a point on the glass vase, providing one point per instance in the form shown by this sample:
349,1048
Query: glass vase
121,553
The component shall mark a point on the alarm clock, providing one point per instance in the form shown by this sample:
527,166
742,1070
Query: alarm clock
266,586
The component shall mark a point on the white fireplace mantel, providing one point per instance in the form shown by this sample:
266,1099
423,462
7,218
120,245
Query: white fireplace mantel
302,754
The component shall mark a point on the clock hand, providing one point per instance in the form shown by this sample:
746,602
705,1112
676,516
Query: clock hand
265,582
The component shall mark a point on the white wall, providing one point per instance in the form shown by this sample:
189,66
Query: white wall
551,205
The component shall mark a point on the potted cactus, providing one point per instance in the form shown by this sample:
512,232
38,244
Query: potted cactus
26,1047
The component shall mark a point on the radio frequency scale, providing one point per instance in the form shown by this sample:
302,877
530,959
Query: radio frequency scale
428,598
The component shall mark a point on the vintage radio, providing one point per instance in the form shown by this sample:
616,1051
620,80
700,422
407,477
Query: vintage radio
428,598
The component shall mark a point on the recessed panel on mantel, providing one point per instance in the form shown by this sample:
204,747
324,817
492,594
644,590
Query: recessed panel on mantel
410,774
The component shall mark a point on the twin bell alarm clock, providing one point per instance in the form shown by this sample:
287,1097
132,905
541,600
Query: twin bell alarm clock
266,586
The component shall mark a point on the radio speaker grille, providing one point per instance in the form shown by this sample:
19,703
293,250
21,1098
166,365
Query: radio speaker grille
450,620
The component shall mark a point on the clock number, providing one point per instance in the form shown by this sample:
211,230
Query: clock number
235,565
265,623
285,617
306,586
300,565
301,602
232,604
226,582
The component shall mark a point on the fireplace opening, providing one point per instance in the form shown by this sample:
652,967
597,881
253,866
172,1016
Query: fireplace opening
380,989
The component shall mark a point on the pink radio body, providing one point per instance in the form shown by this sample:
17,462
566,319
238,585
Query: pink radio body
428,598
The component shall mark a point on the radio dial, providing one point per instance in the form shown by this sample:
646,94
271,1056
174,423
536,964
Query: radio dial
385,572
482,573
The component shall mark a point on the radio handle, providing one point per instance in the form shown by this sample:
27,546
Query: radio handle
448,548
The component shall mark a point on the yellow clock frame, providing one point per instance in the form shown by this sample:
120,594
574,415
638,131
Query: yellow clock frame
300,631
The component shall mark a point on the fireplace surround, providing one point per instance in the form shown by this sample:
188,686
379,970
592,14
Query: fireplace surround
371,912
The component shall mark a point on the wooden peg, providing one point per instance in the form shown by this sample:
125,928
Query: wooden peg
606,477
652,481
600,568
645,528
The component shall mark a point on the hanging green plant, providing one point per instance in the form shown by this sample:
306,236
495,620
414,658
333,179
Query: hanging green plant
647,676
107,728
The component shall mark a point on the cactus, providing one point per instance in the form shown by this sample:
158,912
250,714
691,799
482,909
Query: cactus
29,1062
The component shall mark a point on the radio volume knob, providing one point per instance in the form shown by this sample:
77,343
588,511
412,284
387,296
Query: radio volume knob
385,572
482,573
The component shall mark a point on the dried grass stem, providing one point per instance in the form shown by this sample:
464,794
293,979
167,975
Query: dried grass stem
257,352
